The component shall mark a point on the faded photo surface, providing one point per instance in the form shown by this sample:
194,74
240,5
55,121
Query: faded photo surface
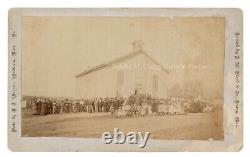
82,76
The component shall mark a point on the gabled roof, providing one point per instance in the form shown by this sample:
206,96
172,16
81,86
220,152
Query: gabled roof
117,60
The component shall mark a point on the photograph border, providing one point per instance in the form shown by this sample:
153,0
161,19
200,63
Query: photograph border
233,131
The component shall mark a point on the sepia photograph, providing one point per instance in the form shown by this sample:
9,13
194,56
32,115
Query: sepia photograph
125,79
82,76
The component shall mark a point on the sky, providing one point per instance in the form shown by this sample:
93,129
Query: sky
55,49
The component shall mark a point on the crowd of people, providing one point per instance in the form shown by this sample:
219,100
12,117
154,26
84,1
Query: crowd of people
44,106
137,104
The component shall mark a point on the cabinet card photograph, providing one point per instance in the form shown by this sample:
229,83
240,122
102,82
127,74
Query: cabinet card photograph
125,79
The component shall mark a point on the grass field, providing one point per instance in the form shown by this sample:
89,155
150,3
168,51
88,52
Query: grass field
195,126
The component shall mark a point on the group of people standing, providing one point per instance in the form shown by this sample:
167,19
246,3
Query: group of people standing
45,106
137,104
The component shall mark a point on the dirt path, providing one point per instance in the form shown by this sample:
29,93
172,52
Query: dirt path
191,126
